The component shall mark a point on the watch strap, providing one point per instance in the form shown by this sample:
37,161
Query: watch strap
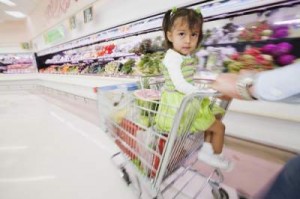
243,85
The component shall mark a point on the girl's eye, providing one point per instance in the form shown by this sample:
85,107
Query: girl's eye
195,35
181,34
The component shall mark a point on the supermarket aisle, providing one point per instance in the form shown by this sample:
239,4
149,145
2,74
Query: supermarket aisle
49,151
46,153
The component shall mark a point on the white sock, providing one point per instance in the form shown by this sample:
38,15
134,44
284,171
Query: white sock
207,147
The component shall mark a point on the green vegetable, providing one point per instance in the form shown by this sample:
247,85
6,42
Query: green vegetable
144,120
112,67
127,66
150,63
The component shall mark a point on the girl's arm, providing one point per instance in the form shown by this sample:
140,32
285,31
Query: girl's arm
172,62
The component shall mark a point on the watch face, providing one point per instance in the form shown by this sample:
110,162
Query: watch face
243,85
248,80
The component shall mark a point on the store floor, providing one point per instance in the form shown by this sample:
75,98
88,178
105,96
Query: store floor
51,147
47,152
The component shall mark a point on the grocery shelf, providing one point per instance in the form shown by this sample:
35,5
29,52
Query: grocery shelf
211,10
101,58
245,7
241,45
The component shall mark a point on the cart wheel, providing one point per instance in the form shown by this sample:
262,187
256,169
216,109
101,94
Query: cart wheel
220,193
125,176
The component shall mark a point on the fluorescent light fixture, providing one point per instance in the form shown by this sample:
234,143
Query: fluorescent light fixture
15,14
287,22
8,3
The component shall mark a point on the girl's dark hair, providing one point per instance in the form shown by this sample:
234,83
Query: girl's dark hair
191,16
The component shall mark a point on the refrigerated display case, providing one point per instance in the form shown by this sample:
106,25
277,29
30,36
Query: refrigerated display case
250,23
17,63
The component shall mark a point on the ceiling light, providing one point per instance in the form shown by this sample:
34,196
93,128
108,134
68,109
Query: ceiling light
8,2
15,14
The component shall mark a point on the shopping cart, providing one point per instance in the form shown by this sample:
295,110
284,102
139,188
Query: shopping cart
149,157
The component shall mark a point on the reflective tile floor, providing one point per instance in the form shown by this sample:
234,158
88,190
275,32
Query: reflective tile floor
49,153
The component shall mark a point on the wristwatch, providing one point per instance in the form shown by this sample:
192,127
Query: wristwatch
243,85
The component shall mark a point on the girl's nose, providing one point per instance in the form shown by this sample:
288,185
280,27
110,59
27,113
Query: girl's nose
188,39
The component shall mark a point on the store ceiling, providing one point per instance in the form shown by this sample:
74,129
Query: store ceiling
24,6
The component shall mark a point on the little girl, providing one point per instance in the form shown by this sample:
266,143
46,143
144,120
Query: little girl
183,33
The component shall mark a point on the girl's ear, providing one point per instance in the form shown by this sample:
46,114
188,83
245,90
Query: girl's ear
169,35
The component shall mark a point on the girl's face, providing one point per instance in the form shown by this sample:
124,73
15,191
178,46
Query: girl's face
183,38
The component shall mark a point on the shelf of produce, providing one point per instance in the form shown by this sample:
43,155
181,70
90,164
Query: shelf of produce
240,46
101,58
237,6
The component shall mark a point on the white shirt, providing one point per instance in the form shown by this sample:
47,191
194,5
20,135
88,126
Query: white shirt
172,62
282,84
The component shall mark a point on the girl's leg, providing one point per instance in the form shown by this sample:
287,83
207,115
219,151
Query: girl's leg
217,136
207,147
207,136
